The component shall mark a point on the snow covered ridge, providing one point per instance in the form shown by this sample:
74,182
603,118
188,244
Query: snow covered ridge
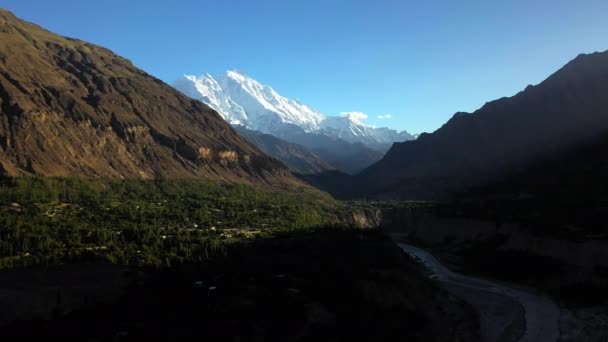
241,100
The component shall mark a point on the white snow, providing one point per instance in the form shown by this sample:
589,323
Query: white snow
241,100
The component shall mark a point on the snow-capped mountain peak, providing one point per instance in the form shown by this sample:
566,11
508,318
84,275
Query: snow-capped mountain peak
241,100
238,97
354,117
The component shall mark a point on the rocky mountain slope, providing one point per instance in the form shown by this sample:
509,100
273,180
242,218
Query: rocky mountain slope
71,108
345,156
344,141
296,157
244,101
562,195
568,108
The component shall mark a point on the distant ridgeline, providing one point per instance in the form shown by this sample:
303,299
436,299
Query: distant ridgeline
341,142
568,109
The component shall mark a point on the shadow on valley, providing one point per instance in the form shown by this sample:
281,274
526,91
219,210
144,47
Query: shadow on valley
543,225
323,284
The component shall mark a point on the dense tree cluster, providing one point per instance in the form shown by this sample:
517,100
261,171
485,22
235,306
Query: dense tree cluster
142,222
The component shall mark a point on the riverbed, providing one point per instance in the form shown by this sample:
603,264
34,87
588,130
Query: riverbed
507,313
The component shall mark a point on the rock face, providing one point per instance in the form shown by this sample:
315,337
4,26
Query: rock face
426,226
340,154
569,108
367,218
296,157
344,142
71,108
241,100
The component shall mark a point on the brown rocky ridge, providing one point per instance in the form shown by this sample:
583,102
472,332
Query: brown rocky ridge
71,108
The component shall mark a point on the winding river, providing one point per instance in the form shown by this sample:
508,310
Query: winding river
500,306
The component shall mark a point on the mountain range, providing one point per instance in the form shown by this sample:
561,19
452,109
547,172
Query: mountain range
296,157
243,101
569,108
71,108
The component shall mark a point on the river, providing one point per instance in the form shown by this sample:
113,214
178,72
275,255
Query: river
500,306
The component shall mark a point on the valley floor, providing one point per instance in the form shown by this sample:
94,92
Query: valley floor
327,284
500,306
510,312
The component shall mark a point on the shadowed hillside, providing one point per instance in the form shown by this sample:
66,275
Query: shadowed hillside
568,108
296,157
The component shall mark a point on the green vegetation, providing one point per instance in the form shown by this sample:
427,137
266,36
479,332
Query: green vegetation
143,222
326,284
210,261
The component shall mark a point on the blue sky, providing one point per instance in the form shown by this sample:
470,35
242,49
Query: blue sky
417,61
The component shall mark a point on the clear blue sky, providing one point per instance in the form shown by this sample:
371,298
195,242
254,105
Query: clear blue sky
419,61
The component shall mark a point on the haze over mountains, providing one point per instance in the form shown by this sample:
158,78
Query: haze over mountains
243,101
568,108
296,157
70,108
